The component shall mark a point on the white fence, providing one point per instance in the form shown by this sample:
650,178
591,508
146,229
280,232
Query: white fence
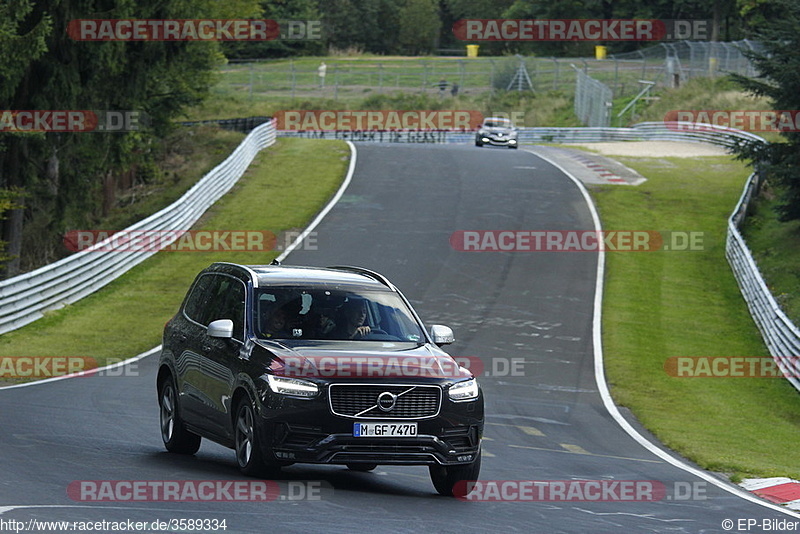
25,298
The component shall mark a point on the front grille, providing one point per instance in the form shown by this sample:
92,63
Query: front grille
360,401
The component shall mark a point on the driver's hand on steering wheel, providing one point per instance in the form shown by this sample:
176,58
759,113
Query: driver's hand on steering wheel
361,331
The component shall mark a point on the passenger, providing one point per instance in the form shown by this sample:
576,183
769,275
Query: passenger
320,324
284,321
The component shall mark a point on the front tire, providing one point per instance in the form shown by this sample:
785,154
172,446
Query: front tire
249,456
173,431
450,481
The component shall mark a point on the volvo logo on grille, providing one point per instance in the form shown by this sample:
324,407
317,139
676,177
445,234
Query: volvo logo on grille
386,401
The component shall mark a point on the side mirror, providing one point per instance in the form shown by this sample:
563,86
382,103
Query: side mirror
221,328
442,335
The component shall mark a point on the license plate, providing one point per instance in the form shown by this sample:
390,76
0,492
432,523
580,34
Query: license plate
384,430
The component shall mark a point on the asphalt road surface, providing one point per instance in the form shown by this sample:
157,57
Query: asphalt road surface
528,316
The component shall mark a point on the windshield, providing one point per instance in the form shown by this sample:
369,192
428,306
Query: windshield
497,123
312,313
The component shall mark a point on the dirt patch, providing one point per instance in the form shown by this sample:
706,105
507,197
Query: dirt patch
655,149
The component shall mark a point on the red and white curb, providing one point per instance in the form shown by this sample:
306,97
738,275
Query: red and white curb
601,171
780,490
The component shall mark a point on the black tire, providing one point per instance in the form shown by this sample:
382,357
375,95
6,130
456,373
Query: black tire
478,144
173,432
249,456
362,468
446,478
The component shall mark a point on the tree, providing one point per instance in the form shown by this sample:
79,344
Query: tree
68,178
419,26
778,67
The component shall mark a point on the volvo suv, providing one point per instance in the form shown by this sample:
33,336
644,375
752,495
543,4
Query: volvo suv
309,365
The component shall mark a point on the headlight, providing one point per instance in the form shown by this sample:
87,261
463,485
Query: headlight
462,391
292,386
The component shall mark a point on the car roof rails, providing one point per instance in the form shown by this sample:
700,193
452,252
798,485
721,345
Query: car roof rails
366,272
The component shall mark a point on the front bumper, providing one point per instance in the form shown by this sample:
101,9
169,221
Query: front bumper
305,431
497,141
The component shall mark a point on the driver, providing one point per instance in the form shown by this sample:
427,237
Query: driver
354,313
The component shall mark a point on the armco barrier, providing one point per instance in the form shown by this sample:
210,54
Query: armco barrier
780,335
25,298
646,131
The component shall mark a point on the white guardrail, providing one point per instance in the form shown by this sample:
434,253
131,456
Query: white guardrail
25,298
780,334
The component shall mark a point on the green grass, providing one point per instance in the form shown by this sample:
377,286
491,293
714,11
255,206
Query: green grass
776,249
283,189
666,303
539,109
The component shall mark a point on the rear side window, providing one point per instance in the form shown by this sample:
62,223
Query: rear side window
217,297
198,298
228,303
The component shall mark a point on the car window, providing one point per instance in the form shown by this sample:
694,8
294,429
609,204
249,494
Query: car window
227,302
218,296
332,314
198,298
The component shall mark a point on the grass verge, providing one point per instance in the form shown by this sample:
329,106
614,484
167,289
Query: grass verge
283,189
669,303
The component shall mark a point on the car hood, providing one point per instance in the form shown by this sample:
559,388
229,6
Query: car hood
334,360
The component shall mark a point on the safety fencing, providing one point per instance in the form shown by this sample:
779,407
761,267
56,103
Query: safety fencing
780,334
25,298
645,131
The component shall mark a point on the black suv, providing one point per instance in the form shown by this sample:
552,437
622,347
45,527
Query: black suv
329,366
